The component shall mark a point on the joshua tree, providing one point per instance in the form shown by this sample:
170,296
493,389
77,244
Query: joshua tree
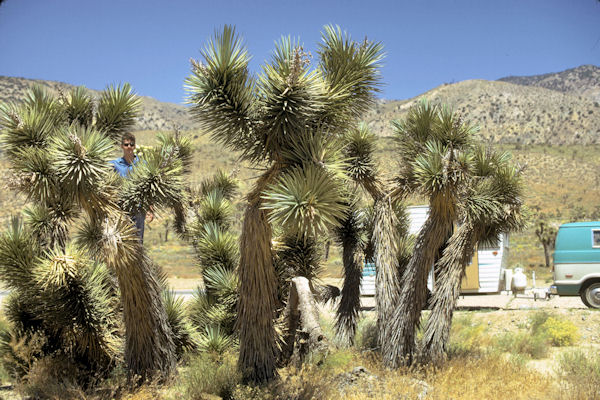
59,151
433,149
288,118
490,205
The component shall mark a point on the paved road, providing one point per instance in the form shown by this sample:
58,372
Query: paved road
480,301
504,302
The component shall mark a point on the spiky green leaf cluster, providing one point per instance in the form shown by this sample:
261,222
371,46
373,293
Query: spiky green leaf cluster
184,335
215,305
434,147
299,257
305,201
18,254
78,107
215,340
153,183
359,148
80,161
351,71
31,123
117,110
262,117
221,91
178,145
220,181
64,300
216,246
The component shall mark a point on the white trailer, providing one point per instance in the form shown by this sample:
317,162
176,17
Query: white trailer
485,274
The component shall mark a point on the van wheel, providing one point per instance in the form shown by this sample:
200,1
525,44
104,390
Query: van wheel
590,295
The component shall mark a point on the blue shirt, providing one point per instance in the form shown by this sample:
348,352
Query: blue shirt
122,167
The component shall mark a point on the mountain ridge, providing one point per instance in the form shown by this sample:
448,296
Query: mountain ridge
554,108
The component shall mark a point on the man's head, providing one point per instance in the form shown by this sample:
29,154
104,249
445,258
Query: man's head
128,146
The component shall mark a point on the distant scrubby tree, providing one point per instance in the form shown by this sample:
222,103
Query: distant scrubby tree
546,234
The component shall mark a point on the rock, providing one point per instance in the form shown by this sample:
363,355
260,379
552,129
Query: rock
360,370
424,387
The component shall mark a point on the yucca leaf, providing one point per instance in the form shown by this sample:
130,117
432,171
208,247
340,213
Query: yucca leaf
221,90
80,158
221,181
318,148
351,70
213,339
118,107
359,146
184,336
216,246
18,254
78,107
179,145
305,201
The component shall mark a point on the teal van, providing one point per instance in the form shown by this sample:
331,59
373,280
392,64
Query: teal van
577,262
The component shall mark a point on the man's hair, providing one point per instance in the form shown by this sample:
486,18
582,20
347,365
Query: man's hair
128,136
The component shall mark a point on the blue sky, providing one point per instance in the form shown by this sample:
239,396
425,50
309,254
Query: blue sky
149,43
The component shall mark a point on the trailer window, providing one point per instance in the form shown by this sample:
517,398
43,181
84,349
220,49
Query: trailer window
596,238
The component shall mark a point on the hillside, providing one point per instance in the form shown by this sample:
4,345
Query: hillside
581,81
155,115
507,112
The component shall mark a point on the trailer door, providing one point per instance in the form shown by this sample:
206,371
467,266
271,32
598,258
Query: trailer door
471,279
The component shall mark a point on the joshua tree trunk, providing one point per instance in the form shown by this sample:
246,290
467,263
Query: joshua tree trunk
302,312
406,316
387,272
149,346
349,307
455,258
258,292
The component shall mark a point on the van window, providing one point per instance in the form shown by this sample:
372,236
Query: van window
596,238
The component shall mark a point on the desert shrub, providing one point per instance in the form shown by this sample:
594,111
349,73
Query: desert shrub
466,337
208,373
367,335
535,346
337,361
560,332
307,384
52,377
580,374
537,319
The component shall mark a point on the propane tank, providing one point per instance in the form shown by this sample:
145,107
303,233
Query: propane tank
519,281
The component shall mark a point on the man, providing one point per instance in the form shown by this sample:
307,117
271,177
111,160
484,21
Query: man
123,166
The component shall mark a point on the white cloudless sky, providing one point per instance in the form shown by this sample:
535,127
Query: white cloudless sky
148,43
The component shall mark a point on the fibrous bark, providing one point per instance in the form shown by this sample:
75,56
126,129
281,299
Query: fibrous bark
349,307
452,264
387,273
406,316
149,346
258,292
